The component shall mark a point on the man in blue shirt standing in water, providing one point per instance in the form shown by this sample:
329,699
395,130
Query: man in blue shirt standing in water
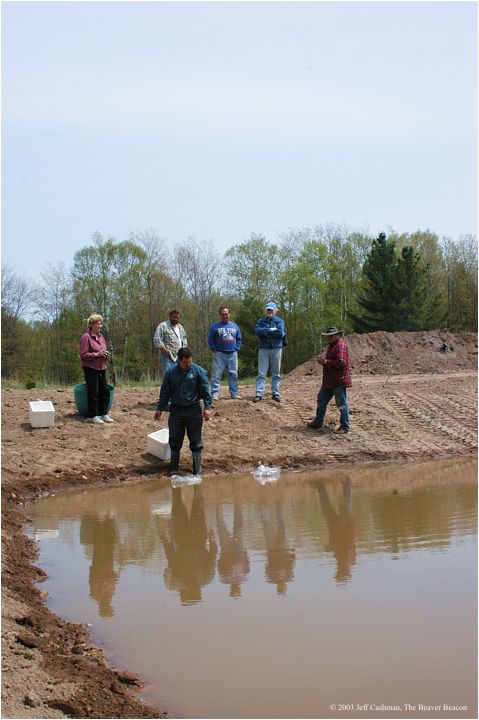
184,385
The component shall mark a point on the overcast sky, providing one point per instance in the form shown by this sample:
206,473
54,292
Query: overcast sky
218,119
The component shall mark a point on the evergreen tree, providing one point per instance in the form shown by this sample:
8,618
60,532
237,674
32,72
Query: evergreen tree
411,291
246,316
378,296
394,291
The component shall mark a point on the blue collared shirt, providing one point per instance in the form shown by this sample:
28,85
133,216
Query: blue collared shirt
185,388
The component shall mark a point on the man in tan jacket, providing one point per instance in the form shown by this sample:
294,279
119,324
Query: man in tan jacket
169,337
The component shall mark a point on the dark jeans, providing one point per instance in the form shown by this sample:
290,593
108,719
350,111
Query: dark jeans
340,396
97,390
189,418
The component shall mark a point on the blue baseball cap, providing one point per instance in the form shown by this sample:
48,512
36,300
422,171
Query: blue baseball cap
271,306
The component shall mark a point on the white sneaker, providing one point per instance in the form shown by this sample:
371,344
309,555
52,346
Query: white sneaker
106,418
97,420
214,397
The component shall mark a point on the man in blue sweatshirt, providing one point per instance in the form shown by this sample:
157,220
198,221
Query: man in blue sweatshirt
270,333
224,340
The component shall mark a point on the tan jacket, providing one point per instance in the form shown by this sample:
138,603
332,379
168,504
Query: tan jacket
165,336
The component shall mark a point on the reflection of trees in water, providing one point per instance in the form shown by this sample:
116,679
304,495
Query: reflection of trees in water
280,557
102,535
190,550
403,521
233,562
341,529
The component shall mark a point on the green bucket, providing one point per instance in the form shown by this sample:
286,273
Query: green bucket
81,398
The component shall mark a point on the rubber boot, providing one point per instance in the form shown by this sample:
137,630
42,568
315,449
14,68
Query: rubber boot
196,462
174,462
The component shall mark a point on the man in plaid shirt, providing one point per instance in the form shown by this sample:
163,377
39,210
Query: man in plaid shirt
336,378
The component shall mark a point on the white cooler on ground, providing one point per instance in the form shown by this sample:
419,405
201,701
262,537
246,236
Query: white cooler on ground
158,444
41,413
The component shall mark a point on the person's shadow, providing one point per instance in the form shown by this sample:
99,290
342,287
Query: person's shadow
190,548
341,528
280,556
102,535
233,562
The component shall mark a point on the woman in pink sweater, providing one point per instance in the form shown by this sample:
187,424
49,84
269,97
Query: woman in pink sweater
93,357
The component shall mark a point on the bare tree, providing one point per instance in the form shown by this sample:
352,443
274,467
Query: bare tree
198,269
16,301
53,298
158,288
16,294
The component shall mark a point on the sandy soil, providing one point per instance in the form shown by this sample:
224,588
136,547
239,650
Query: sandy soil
409,401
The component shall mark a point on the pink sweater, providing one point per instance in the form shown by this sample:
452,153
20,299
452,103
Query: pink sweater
89,345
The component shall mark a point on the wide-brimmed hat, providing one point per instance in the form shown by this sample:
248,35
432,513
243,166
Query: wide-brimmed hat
332,331
271,306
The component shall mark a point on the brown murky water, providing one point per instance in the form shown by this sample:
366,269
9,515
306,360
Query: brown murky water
348,593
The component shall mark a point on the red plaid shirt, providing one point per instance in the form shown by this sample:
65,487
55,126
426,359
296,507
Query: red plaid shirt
336,371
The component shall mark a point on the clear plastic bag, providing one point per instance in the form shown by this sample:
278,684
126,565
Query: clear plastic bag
264,474
183,480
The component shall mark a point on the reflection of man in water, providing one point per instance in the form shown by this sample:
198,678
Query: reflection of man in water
233,562
191,551
101,534
342,530
280,556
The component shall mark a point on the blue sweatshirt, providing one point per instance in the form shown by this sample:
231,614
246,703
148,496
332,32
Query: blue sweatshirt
270,332
185,388
224,337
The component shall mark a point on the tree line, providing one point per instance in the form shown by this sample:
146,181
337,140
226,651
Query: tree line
318,276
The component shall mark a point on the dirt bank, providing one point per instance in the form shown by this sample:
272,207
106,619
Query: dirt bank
409,400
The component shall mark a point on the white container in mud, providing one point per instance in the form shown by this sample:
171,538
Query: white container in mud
158,444
41,413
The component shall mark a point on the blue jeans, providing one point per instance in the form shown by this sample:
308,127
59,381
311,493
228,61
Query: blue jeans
324,396
167,363
221,361
269,357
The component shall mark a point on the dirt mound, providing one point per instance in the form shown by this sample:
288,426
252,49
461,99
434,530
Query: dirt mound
400,353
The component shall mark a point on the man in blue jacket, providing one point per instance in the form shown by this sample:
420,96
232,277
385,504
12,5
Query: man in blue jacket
224,340
270,332
184,385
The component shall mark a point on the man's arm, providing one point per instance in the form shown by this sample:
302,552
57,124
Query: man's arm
211,339
261,328
184,339
165,396
204,392
340,357
239,339
158,337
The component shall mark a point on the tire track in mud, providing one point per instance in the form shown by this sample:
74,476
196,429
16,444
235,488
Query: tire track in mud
293,410
457,412
401,419
386,422
424,412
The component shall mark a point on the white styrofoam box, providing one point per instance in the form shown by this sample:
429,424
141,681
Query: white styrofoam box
41,413
158,444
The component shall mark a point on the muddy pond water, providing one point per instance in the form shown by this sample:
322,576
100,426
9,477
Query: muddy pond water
346,593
